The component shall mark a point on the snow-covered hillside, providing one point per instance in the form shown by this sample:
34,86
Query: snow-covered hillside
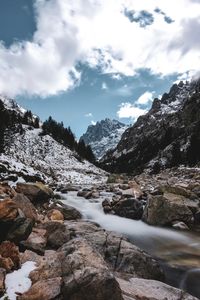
32,154
104,136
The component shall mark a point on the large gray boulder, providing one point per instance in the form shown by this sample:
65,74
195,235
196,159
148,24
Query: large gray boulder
167,208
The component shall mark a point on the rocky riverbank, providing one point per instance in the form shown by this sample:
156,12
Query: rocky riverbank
67,257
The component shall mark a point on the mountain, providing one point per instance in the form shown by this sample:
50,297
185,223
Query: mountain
103,136
30,154
168,135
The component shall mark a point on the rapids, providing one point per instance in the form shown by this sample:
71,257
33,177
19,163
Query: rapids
177,251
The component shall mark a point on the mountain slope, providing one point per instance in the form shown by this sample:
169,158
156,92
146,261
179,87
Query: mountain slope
166,136
104,136
30,153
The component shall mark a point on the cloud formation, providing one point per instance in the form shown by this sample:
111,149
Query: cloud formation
128,110
97,33
145,98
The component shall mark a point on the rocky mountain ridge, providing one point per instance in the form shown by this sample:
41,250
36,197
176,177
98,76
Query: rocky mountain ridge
103,136
166,136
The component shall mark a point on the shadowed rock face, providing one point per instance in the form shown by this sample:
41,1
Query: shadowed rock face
166,136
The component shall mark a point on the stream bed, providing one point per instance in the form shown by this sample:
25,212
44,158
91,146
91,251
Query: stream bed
177,251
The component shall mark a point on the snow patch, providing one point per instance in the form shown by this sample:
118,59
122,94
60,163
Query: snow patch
18,281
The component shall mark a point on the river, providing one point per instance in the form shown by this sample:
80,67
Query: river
177,251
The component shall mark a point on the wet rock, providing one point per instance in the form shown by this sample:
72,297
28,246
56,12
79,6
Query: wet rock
20,230
86,275
165,209
55,215
68,212
141,289
106,202
180,225
10,257
88,194
47,289
35,192
2,281
128,208
8,210
107,209
26,206
69,188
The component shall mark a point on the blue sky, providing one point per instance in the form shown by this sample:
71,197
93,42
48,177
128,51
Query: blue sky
83,61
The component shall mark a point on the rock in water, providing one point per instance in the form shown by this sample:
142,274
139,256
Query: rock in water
165,209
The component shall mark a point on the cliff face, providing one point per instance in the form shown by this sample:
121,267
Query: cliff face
168,135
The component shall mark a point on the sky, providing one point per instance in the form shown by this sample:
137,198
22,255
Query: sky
85,60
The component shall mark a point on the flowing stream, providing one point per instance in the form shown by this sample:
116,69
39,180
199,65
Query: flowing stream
177,251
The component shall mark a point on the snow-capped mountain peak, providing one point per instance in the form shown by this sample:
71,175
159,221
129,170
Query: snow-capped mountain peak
104,136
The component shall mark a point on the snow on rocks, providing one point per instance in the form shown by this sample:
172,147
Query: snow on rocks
18,282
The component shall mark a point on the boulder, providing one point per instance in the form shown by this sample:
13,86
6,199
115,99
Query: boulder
9,249
142,289
120,254
69,212
86,275
35,191
8,210
56,233
9,256
47,289
55,215
128,208
165,209
36,241
6,263
20,230
48,266
26,206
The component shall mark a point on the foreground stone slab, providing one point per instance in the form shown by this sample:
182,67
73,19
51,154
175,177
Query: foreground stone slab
142,289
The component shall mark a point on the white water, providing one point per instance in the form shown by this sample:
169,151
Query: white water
92,210
179,248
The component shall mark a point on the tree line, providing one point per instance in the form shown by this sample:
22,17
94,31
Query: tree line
66,137
11,122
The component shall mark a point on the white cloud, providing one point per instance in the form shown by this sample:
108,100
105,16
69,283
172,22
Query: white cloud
89,115
116,76
93,122
98,33
145,98
128,110
104,86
